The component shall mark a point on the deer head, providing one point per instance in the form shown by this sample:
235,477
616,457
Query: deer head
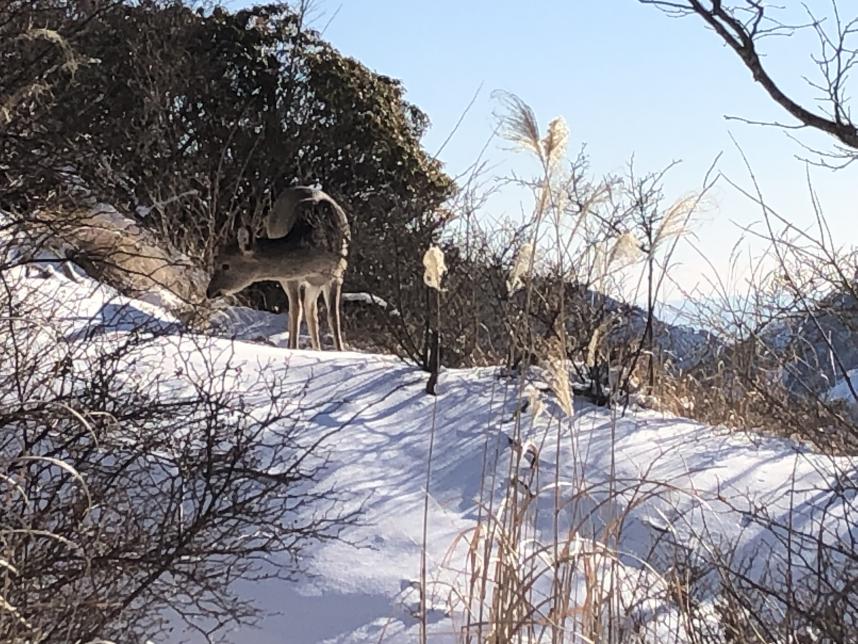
235,267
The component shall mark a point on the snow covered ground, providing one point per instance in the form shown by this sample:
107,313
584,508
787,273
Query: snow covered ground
671,479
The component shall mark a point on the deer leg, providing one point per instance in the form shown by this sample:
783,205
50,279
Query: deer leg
293,294
311,298
331,291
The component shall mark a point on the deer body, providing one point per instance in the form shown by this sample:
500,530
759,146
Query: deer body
304,250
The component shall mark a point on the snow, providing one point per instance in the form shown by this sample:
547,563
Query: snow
368,298
364,588
843,390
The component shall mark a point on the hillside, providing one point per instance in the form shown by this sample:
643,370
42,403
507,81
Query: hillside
646,487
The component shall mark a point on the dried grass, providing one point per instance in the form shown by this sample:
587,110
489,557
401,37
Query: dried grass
124,255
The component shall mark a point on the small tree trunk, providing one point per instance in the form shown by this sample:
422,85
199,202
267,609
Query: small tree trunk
434,363
427,331
650,315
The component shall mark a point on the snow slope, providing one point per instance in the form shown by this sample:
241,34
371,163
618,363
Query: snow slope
364,590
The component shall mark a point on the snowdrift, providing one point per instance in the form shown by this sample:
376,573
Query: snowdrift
678,486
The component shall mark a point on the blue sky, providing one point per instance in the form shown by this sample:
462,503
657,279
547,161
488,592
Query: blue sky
629,81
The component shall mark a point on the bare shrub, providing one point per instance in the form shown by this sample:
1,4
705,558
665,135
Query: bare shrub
787,353
545,560
144,471
524,576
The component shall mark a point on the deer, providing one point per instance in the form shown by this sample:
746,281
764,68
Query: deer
302,249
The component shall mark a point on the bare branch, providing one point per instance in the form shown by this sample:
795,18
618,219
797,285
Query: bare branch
742,26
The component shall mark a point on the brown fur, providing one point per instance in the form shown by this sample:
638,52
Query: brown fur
311,255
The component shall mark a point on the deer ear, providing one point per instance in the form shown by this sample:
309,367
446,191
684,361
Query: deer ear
245,240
